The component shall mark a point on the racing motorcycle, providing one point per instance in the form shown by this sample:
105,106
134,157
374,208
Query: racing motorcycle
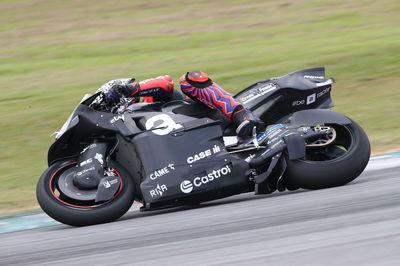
180,152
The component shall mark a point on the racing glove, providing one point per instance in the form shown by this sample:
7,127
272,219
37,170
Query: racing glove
113,95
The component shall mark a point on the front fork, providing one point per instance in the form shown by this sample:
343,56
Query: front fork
91,163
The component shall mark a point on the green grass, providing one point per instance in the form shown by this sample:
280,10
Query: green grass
52,52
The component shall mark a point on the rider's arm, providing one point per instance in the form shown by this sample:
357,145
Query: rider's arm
159,88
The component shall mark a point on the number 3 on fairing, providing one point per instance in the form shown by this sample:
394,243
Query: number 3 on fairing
163,123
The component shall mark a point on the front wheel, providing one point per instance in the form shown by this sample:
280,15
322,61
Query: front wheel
82,212
339,162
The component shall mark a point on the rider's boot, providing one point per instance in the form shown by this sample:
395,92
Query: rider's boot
246,121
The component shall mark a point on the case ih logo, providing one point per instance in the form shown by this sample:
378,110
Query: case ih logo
203,154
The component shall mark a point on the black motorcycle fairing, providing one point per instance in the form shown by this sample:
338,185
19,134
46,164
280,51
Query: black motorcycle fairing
276,97
126,155
196,150
205,166
85,126
87,123
303,79
226,185
316,117
198,110
91,165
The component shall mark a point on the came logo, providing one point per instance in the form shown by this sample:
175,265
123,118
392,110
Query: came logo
163,171
186,186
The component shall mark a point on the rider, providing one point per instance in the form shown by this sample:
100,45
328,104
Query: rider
197,86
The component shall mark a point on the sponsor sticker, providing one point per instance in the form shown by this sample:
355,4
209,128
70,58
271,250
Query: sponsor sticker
323,92
85,171
268,132
272,140
203,154
313,77
116,118
88,161
108,184
161,124
163,171
188,186
158,191
248,158
258,92
97,157
276,144
91,146
312,97
298,102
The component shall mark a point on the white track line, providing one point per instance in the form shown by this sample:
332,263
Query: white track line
383,162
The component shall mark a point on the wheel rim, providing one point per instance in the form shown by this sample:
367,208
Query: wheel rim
323,141
331,149
70,202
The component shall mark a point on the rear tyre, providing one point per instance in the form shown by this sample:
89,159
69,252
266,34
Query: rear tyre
77,212
335,165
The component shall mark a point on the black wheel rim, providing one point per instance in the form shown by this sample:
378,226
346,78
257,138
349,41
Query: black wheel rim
70,202
335,150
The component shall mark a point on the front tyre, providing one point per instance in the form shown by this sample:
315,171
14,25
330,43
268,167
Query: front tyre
82,212
337,164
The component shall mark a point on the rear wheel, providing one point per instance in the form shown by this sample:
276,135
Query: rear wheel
331,162
83,211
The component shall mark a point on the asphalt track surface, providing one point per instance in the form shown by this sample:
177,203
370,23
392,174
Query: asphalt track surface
357,224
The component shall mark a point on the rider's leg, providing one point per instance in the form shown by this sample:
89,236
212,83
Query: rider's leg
198,86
